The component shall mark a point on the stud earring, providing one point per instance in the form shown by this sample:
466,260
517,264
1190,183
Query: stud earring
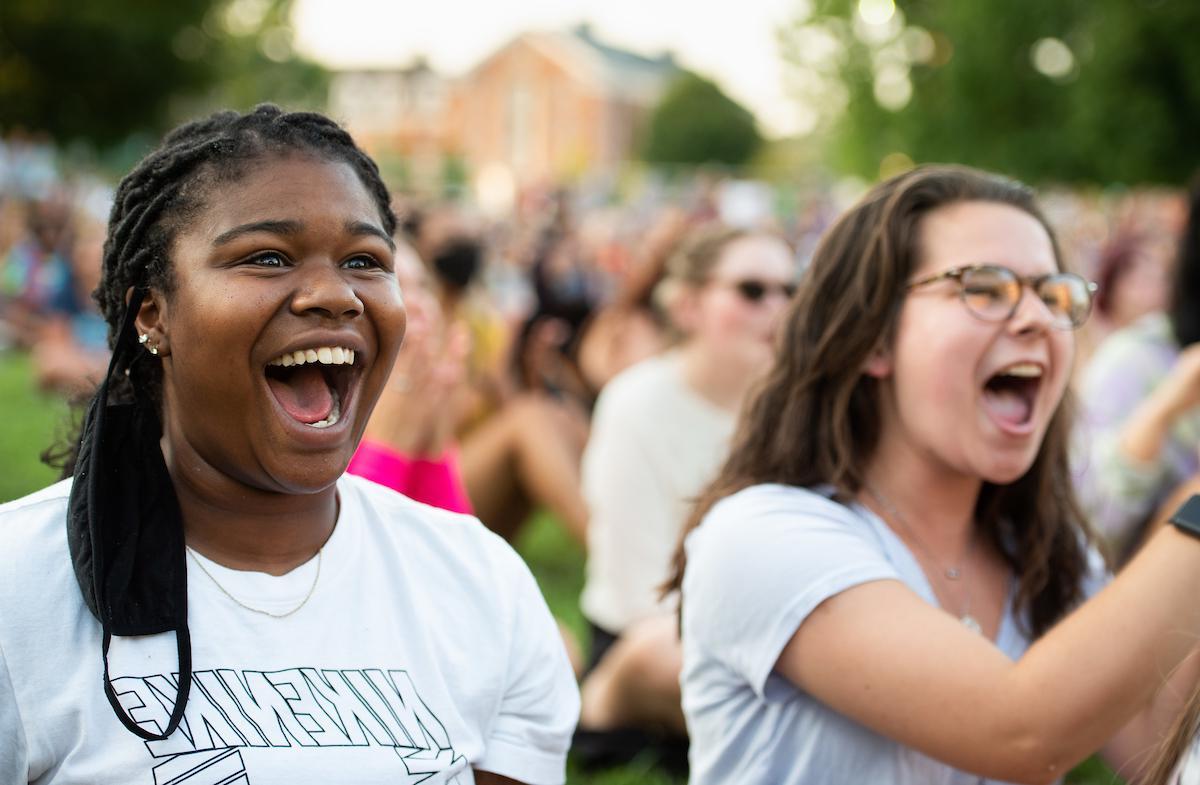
143,339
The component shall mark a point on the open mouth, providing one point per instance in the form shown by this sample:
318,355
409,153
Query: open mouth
312,385
1011,393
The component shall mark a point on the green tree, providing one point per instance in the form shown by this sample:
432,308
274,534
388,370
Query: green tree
1073,91
102,70
696,123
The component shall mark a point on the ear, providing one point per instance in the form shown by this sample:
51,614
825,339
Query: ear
151,323
878,364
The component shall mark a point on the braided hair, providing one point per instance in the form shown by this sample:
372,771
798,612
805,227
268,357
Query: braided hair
169,186
124,523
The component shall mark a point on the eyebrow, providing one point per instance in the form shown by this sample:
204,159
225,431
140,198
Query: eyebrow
361,228
291,228
271,227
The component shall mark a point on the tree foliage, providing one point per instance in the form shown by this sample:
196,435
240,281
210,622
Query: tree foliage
1071,91
101,70
696,123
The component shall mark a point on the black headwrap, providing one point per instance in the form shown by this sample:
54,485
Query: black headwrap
124,527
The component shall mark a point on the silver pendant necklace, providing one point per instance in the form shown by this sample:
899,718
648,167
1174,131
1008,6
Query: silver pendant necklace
251,608
952,573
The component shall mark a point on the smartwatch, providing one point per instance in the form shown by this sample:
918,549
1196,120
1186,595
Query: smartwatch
1187,517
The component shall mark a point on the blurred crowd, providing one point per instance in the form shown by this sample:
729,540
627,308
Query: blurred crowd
52,225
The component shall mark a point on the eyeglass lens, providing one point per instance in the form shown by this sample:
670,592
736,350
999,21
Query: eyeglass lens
992,293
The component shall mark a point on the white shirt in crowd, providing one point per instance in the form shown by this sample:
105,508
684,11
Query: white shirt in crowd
655,443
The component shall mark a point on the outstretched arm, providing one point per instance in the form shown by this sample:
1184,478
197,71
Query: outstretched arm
882,656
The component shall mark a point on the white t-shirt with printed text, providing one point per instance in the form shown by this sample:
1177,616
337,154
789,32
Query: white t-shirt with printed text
425,651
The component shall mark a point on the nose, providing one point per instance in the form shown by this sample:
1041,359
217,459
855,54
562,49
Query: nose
324,290
1032,315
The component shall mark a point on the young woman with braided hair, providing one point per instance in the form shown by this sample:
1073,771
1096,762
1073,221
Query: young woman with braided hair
260,616
890,579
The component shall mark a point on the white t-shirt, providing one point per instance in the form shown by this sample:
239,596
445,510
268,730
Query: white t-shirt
424,651
1187,770
654,445
762,561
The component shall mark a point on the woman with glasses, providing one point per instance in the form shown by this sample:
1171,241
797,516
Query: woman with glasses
881,584
660,430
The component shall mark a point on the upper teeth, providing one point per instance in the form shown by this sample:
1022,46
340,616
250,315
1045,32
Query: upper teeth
326,355
1024,370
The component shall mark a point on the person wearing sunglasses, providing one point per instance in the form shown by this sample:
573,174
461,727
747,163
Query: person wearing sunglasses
889,578
1141,397
660,429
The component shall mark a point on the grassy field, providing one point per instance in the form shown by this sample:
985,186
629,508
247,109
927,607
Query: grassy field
35,420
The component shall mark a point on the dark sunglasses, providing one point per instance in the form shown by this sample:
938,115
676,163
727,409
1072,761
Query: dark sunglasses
753,290
992,293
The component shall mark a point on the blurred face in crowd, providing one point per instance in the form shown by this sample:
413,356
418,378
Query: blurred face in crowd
1141,288
417,290
737,311
963,394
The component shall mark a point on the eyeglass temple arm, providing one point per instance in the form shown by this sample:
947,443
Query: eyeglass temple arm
953,272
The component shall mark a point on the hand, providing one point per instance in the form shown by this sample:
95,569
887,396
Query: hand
417,412
1179,392
1149,426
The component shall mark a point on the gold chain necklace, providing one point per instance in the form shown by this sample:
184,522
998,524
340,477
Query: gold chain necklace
951,573
241,604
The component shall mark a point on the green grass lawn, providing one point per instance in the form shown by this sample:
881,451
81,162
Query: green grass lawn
35,420
32,421
557,561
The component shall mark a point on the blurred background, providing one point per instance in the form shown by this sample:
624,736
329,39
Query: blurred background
600,125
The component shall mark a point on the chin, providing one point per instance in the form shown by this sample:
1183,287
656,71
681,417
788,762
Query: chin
1007,470
310,474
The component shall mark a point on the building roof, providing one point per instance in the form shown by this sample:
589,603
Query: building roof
607,68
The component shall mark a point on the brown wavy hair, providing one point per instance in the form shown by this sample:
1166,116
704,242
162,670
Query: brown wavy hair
815,419
1174,745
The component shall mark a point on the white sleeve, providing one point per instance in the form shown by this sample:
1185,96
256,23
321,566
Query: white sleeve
14,766
531,733
1097,575
755,571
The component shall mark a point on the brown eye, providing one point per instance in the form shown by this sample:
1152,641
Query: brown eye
268,259
362,262
990,292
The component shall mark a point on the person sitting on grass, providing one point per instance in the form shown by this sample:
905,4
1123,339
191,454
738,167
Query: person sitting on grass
660,431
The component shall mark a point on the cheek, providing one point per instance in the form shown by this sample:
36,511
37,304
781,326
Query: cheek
934,373
1063,348
730,320
391,315
211,337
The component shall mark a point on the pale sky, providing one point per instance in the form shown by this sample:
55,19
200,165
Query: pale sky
732,42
